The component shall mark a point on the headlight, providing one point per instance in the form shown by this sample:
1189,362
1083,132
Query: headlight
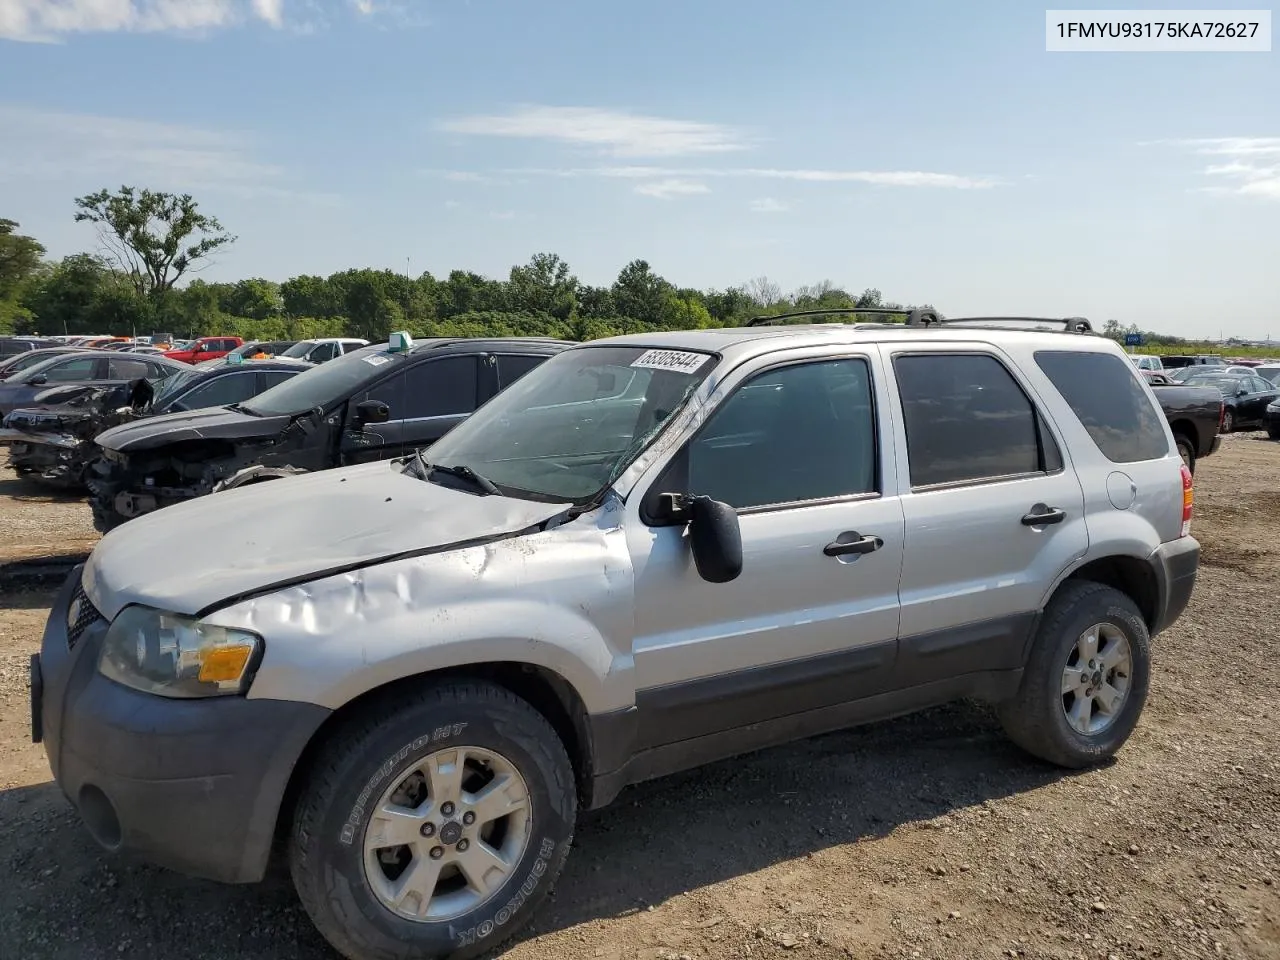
176,656
1273,406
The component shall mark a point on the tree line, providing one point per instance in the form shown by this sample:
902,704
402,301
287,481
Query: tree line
149,241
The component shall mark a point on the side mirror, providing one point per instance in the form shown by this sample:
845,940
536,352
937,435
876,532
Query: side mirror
1242,392
38,379
371,411
715,539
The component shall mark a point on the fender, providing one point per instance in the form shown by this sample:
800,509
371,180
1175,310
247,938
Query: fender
560,600
255,474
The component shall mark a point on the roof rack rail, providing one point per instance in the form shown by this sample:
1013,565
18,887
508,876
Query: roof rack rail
921,317
930,318
1068,324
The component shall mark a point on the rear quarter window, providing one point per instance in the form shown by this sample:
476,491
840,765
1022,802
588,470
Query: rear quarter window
1110,404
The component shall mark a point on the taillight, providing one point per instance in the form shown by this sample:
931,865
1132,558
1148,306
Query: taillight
1188,499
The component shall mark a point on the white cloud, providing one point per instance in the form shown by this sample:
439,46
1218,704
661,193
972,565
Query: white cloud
88,152
272,11
884,178
1251,167
666,189
52,20
769,205
613,132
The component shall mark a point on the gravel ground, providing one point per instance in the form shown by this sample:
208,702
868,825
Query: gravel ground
927,837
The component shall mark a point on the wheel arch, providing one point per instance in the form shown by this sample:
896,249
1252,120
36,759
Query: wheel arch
1133,576
544,689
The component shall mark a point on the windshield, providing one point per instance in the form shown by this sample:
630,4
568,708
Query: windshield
567,429
300,349
322,385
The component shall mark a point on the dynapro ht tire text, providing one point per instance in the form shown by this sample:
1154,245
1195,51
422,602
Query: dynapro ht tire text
433,825
1086,679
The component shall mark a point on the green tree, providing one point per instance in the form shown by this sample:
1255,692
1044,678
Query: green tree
81,294
641,294
544,285
21,259
151,237
255,298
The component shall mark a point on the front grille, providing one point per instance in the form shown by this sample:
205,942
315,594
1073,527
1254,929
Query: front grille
81,615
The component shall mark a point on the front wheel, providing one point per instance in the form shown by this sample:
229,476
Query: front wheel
1228,422
1086,681
433,826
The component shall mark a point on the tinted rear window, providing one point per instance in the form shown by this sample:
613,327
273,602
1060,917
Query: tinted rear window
1104,394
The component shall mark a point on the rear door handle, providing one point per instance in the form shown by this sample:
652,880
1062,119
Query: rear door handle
1041,515
852,543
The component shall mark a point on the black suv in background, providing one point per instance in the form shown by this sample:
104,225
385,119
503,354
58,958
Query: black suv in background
375,403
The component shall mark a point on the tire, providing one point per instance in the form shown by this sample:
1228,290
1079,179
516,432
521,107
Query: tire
1036,719
349,782
1186,451
1228,422
1273,433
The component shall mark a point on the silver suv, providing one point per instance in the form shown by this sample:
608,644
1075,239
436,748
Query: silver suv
649,553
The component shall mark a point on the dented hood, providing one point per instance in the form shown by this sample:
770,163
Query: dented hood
214,423
195,555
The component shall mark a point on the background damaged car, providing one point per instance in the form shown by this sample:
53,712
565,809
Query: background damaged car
53,442
377,402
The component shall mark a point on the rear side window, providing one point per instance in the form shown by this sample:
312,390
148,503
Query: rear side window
1109,402
968,420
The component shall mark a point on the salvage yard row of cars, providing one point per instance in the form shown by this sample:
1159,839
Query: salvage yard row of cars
513,576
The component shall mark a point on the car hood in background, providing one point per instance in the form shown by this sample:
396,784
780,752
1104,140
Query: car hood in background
213,549
213,423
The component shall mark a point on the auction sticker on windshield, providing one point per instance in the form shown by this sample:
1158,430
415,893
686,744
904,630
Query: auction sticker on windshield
377,359
678,360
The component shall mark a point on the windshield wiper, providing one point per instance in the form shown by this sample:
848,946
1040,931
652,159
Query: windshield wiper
462,472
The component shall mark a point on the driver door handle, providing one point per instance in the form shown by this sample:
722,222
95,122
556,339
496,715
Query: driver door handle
854,544
1041,515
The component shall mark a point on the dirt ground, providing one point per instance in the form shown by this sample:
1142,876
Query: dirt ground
927,837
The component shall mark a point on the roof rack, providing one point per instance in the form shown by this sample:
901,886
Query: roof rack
930,318
921,317
1068,324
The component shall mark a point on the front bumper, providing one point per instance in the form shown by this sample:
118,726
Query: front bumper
1176,565
1271,420
192,785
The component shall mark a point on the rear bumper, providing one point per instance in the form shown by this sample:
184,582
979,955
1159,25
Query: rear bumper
1176,565
1271,420
1214,444
192,785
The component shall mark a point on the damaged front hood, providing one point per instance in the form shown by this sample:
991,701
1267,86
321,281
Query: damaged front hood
198,554
214,423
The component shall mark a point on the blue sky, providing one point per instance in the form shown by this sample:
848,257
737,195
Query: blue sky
931,149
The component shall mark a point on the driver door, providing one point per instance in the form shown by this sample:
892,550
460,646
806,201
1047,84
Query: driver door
800,450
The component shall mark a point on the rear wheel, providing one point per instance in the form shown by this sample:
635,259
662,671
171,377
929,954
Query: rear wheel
433,826
1228,422
1086,681
1186,451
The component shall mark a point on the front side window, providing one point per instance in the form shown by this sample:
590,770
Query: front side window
122,369
69,371
218,392
564,431
513,366
968,420
794,434
440,388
